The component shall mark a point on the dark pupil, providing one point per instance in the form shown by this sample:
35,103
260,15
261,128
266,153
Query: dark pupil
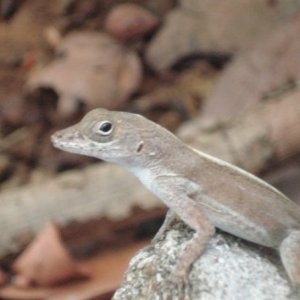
106,127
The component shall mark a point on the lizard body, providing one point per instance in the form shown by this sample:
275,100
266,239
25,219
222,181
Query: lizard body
205,192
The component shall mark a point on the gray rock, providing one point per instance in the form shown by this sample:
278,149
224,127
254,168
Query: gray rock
229,269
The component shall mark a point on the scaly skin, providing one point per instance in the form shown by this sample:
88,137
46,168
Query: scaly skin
203,191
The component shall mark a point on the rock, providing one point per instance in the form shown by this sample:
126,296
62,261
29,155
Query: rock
130,21
217,27
90,69
229,269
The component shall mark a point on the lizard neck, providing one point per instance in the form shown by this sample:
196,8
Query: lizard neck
161,155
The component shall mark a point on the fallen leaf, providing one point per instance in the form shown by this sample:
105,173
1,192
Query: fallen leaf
90,69
129,21
108,270
21,35
46,261
267,68
179,100
219,27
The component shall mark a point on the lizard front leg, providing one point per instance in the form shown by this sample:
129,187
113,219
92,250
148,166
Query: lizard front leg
170,218
174,192
193,217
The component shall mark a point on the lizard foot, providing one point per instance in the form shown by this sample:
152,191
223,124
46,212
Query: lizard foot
181,281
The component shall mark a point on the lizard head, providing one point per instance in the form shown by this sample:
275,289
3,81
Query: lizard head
109,135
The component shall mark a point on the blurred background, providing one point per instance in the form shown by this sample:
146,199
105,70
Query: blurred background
222,75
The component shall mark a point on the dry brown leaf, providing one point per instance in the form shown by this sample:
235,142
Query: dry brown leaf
267,68
21,34
214,26
108,269
90,69
46,261
128,21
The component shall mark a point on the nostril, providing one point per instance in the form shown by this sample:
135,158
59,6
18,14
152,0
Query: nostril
56,136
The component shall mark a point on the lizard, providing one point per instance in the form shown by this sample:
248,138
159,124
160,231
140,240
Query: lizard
203,191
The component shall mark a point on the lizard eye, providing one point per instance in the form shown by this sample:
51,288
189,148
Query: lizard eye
105,128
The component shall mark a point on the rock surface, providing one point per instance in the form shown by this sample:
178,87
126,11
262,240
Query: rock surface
229,269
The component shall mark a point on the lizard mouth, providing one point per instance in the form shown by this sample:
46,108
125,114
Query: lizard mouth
70,147
61,144
73,142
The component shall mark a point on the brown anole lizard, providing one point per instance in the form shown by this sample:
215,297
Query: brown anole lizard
205,192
